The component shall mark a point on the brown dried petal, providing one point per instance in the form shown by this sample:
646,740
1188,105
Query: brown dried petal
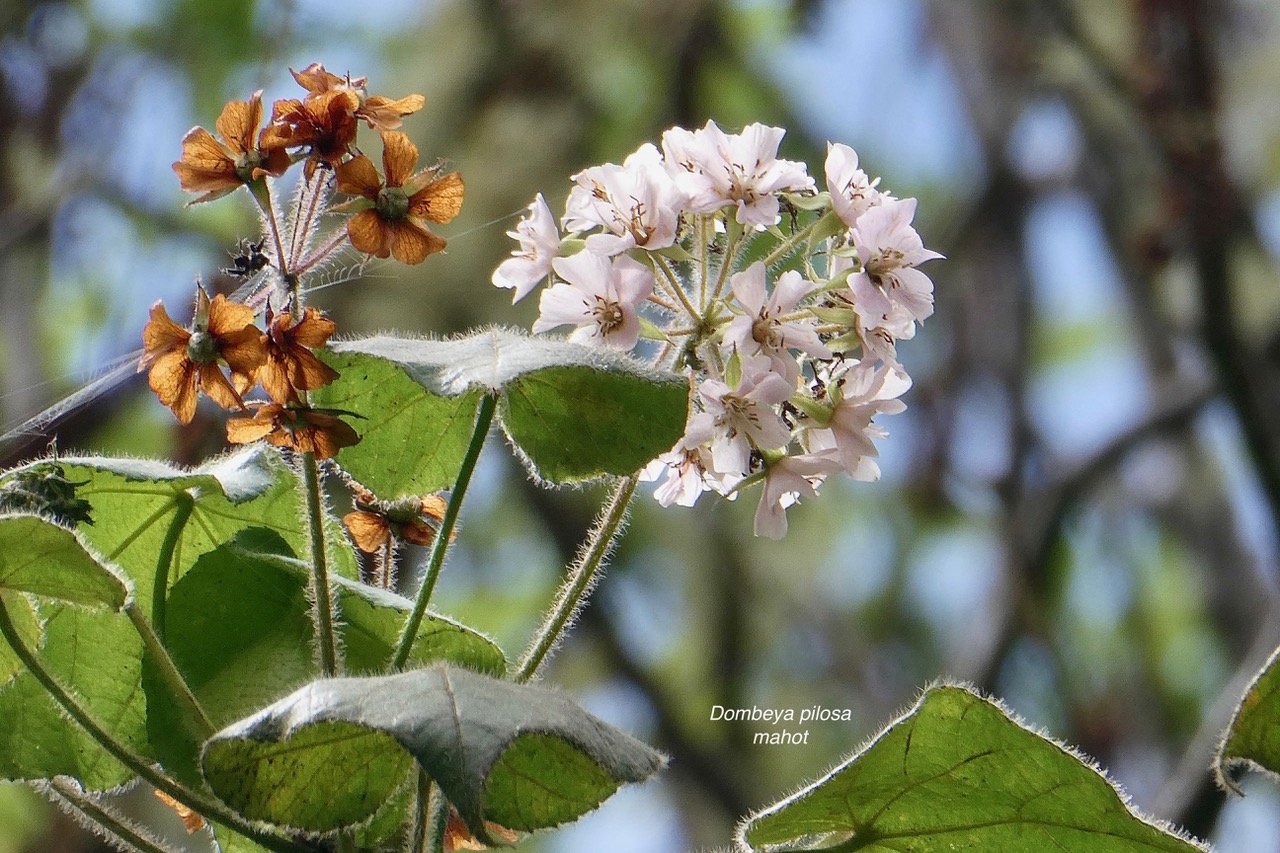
369,234
399,156
440,200
411,242
358,176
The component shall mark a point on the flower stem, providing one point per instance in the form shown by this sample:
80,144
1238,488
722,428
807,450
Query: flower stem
205,805
261,193
184,504
582,578
673,285
68,795
322,610
790,244
431,817
168,671
484,417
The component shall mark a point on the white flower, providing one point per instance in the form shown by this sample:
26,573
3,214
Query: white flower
637,203
860,393
785,482
734,420
689,473
539,244
742,169
890,290
852,193
762,331
599,296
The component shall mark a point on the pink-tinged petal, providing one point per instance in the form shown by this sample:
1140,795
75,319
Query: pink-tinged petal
586,271
562,305
790,288
749,288
633,281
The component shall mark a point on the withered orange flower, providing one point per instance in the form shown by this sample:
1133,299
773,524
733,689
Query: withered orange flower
190,818
381,113
298,428
458,837
395,224
185,360
215,167
414,520
290,365
325,123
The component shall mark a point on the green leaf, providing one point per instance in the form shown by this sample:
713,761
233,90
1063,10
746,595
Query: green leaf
957,773
411,441
1252,740
575,412
230,841
239,630
135,502
29,629
331,753
43,559
98,655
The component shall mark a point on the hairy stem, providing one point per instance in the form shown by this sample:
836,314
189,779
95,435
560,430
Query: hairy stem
184,504
581,579
173,679
484,417
67,795
322,607
205,805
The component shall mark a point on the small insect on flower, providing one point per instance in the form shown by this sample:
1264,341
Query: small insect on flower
248,259
305,430
44,489
183,361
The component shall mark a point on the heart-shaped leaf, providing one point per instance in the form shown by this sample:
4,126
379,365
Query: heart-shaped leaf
50,561
575,412
330,754
240,632
136,504
957,773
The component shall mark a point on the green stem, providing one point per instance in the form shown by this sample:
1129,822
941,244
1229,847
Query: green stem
673,284
184,504
581,578
168,671
262,195
99,813
322,610
206,806
438,815
791,243
484,417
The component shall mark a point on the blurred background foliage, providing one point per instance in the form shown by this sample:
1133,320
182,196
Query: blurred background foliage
1081,509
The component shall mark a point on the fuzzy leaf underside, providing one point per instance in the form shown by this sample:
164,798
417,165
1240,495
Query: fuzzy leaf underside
575,412
957,773
519,754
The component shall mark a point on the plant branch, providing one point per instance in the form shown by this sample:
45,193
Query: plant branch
102,818
322,607
582,577
484,417
169,671
204,805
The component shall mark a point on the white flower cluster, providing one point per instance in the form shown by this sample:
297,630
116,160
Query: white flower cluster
784,304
